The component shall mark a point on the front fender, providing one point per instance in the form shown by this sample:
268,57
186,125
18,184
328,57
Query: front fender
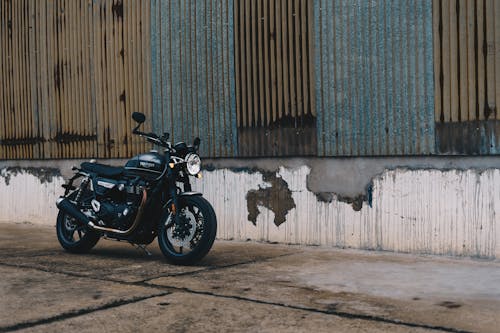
181,195
189,194
165,210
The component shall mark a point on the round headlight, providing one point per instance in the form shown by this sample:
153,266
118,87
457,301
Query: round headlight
193,164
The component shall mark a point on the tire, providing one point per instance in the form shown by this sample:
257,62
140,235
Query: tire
190,207
66,228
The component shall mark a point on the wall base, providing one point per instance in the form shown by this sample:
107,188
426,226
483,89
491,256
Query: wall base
422,210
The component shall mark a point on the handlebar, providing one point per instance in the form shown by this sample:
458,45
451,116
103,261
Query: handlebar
163,140
153,138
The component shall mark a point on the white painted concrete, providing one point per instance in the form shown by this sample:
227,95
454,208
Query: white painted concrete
27,199
420,211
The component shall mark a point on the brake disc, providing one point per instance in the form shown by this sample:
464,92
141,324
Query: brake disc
187,227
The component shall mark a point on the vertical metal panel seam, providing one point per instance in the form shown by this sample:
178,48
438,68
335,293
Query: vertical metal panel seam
319,75
429,79
231,73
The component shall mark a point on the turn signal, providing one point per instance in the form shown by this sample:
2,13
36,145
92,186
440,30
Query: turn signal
171,165
199,175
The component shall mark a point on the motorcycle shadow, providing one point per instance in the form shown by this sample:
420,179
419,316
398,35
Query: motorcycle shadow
134,255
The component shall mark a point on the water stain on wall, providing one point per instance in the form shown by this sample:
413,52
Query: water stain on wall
356,201
277,198
45,175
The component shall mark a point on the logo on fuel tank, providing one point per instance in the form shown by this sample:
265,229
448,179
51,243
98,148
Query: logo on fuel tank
147,165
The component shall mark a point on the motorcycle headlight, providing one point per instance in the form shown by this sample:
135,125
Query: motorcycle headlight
193,164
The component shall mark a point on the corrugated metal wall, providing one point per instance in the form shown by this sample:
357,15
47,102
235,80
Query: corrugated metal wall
193,73
467,76
272,61
72,73
274,77
374,77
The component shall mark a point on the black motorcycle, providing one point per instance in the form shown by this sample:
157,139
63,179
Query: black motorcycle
139,202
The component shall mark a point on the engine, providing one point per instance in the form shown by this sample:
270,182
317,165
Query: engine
116,202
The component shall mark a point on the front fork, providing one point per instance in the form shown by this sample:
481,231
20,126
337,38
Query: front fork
173,203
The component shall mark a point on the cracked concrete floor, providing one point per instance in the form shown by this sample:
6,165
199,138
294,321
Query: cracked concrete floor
240,287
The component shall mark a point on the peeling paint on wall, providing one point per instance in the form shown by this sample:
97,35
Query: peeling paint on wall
451,212
276,197
45,175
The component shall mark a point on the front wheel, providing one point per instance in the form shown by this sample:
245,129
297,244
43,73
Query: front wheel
188,239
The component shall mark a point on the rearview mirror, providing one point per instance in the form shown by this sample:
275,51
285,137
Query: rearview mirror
139,117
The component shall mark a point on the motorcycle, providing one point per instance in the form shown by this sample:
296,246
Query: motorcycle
150,197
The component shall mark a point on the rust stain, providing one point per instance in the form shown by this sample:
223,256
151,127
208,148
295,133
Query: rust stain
66,137
478,137
57,77
117,9
277,198
22,141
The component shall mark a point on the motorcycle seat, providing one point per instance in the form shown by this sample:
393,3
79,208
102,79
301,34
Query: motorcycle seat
102,169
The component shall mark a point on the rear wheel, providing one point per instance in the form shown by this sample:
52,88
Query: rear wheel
72,236
188,239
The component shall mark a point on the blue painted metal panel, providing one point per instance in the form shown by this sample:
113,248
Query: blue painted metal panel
374,77
193,73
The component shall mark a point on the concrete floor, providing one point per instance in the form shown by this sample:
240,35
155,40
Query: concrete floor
239,287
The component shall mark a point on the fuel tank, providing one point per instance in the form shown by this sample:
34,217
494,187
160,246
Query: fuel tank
149,165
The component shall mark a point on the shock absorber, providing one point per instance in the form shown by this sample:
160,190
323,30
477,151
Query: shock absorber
83,186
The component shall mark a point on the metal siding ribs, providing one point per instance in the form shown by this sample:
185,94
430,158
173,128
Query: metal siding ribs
273,51
467,76
374,74
193,73
74,71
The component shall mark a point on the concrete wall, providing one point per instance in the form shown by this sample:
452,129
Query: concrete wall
421,205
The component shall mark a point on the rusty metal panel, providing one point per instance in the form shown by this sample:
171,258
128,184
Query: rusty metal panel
273,52
73,71
192,66
374,77
467,76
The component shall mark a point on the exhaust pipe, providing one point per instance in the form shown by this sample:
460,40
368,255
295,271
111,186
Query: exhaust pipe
69,208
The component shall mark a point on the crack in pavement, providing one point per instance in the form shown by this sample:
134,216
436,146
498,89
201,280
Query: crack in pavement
213,268
170,289
76,275
27,255
342,314
77,313
144,281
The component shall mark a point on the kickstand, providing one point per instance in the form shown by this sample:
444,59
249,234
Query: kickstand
143,248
